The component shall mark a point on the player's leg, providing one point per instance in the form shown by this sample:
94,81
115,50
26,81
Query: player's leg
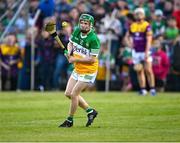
75,100
82,103
79,86
138,67
142,81
150,77
73,92
70,85
92,113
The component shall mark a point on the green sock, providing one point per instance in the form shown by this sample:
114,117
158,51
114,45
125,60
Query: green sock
70,118
89,110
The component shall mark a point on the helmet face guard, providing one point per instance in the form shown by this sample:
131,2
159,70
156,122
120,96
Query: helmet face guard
87,17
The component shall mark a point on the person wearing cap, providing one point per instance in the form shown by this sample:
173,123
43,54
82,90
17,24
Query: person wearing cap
83,49
140,37
61,63
158,24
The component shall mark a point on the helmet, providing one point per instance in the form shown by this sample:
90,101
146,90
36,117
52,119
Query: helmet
87,17
139,10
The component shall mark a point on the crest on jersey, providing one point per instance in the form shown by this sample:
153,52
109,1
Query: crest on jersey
137,34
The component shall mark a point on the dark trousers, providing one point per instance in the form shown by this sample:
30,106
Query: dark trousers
9,82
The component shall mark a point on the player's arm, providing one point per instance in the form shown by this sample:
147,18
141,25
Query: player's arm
71,59
70,44
7,67
2,63
88,59
69,50
148,41
95,44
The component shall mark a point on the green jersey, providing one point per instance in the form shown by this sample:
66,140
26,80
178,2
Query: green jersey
85,46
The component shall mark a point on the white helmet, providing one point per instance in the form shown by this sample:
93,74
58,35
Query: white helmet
139,10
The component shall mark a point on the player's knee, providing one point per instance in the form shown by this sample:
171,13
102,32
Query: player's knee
138,68
76,91
148,71
68,94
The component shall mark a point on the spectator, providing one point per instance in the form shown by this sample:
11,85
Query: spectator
10,60
158,24
122,8
7,19
46,55
47,8
103,65
74,16
171,35
172,31
61,61
111,24
174,76
160,4
176,57
63,5
1,29
20,22
105,4
82,7
126,54
3,6
128,21
151,9
25,73
160,65
176,12
168,8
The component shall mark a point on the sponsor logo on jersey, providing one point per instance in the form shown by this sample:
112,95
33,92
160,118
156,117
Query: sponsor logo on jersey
81,50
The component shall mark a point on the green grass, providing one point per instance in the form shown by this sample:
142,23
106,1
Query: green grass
32,116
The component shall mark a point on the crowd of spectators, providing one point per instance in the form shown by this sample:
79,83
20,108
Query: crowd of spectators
112,20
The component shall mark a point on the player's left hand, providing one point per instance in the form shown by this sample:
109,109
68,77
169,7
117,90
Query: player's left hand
72,59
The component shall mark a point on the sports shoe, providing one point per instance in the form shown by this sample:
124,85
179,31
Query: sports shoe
143,92
153,92
66,124
91,116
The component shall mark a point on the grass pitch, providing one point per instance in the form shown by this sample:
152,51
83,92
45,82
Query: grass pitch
33,116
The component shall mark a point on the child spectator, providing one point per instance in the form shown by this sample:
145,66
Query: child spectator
160,65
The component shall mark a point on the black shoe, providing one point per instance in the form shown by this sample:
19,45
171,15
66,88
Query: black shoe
67,124
91,117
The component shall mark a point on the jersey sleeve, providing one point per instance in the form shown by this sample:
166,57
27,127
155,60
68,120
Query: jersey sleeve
74,34
95,47
149,30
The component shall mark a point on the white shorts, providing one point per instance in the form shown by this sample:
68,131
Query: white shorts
139,57
90,78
